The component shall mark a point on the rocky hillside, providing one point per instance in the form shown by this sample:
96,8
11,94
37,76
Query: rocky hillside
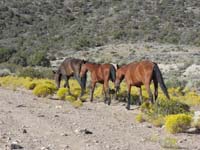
52,25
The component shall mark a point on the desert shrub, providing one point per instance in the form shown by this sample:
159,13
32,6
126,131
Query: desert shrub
140,118
30,85
44,88
170,143
146,107
70,98
13,68
166,107
19,60
42,91
84,97
77,103
61,93
4,72
39,59
177,123
5,54
174,82
36,73
158,121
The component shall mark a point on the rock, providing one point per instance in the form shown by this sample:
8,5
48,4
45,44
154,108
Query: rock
83,131
196,116
148,126
64,134
66,147
45,148
183,140
24,131
41,115
21,105
58,107
193,130
56,115
15,145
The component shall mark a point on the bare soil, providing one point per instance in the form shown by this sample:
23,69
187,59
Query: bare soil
42,123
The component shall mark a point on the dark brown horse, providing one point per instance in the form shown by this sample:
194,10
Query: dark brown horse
68,68
138,74
100,73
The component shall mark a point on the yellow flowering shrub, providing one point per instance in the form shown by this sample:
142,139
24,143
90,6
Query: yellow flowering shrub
77,103
30,85
177,123
61,93
140,118
42,90
70,98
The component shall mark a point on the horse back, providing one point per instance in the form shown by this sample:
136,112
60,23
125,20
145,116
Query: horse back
104,71
140,72
70,66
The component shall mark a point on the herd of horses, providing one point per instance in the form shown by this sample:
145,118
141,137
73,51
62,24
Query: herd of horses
134,74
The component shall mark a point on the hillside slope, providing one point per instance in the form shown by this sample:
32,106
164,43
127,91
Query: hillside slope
52,25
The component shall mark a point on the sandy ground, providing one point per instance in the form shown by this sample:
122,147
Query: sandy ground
41,124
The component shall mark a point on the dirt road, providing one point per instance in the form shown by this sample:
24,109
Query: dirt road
41,123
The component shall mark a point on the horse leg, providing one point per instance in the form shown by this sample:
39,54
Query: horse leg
92,91
79,81
129,97
155,89
105,97
140,95
147,86
107,92
67,84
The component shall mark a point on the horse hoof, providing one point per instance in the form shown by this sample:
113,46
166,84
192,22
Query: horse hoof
128,107
109,103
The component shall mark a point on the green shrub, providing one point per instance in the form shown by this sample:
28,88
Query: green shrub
177,123
4,72
5,54
36,73
166,107
39,59
61,93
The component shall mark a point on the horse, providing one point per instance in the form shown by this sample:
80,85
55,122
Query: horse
100,73
138,74
68,68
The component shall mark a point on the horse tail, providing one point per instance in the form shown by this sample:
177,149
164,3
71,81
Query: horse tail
112,73
160,80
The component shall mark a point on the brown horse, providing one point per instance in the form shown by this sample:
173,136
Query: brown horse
100,73
138,74
68,68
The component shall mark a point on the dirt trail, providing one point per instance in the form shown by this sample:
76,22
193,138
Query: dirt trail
56,125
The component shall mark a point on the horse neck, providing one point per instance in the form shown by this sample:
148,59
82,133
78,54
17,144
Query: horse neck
90,66
124,69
